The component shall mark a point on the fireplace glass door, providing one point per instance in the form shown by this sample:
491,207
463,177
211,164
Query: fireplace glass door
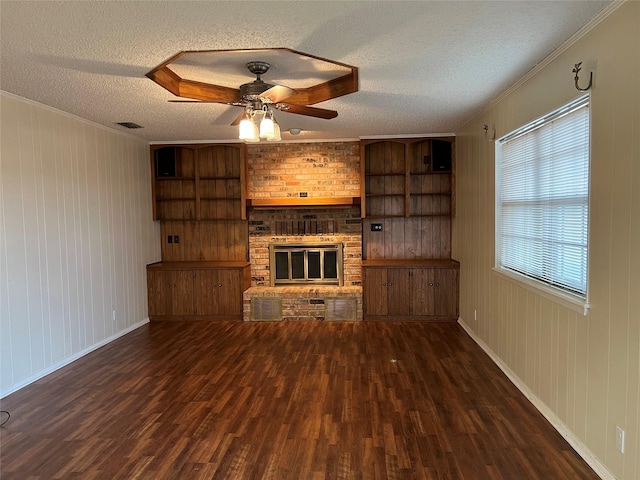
317,264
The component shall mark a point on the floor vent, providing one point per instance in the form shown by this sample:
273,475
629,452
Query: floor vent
266,309
340,309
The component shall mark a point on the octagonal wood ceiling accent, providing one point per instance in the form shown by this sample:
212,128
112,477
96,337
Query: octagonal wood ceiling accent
216,76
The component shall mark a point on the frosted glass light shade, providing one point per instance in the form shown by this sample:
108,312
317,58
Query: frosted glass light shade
266,127
247,129
276,133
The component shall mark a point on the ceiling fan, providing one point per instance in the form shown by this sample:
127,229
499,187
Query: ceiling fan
313,80
261,96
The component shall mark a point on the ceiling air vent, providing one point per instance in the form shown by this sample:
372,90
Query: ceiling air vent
130,125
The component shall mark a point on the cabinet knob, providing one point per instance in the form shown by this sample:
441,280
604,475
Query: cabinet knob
384,284
431,284
169,285
389,284
437,284
219,284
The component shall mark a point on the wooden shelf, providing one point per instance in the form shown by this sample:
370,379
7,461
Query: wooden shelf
414,174
220,178
395,174
447,194
202,174
373,195
176,199
220,198
303,202
417,215
164,179
410,176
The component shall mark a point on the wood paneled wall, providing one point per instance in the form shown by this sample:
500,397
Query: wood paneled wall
584,369
204,240
407,238
75,235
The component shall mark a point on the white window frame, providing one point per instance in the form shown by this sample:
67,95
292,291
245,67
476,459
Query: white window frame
535,276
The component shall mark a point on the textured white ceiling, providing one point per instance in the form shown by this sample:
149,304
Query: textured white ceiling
424,66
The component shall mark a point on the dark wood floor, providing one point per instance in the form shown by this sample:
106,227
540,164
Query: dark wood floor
313,400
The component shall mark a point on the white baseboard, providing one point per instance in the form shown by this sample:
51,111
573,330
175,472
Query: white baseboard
68,360
587,455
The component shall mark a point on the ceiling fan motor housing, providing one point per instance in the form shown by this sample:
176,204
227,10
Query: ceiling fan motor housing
251,91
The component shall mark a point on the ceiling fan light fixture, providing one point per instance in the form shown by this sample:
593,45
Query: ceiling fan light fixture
248,129
276,133
267,126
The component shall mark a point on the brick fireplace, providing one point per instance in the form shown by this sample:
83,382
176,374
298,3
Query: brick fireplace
284,173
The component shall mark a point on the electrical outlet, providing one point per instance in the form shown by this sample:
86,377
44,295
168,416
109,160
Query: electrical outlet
620,439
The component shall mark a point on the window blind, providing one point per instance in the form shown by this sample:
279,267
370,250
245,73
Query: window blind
543,199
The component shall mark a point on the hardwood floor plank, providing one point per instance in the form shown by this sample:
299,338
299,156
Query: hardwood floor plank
283,401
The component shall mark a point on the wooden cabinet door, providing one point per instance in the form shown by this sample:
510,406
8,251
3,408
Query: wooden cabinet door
434,291
170,292
159,292
230,292
446,283
422,291
181,292
219,291
375,291
207,292
398,291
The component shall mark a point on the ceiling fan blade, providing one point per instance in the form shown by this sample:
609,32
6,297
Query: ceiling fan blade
235,104
310,111
278,93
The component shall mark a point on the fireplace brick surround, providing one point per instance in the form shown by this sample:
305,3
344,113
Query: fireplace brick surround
286,171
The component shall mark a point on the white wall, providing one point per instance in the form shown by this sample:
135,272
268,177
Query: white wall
583,370
76,232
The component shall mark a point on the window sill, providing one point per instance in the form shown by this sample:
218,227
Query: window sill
572,302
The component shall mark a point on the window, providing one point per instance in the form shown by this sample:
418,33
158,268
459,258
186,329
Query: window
542,200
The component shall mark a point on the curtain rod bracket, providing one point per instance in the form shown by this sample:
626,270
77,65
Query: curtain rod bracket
576,69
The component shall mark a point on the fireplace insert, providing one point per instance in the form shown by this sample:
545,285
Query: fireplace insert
305,264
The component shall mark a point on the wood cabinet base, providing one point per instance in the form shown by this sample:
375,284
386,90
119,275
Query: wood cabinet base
411,289
197,290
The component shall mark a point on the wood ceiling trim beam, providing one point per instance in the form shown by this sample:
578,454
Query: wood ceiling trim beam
168,79
328,90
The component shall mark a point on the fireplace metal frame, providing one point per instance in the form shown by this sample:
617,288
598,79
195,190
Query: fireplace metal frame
320,247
